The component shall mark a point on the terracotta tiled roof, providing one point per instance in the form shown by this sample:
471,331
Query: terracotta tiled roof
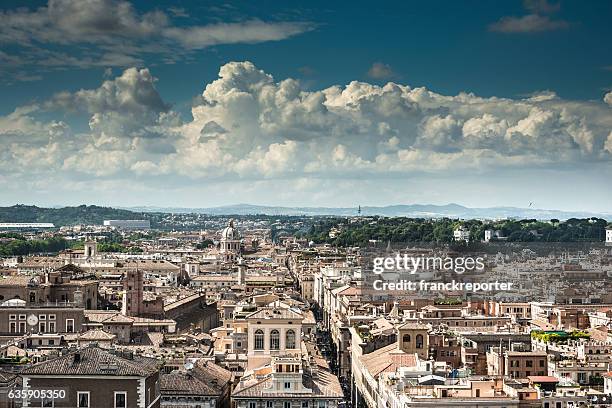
108,317
6,376
387,359
324,386
19,280
96,334
70,268
94,361
205,378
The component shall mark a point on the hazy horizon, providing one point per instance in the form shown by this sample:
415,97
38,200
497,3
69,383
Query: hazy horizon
248,204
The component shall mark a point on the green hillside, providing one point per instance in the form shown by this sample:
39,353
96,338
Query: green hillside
83,214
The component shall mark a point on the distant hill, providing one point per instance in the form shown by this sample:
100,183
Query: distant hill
409,210
82,214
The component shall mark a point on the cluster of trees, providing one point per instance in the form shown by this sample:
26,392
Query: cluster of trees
319,231
18,245
397,229
401,229
528,230
559,336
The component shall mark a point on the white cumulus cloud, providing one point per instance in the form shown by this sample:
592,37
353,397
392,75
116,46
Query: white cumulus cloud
248,125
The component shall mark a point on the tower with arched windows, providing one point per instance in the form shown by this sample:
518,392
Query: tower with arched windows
414,338
90,249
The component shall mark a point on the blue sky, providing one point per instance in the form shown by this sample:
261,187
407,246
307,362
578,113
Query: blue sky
444,45
537,75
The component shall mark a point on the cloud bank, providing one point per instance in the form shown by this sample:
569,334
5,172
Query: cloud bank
247,126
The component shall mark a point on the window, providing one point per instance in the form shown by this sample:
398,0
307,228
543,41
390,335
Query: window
42,327
419,341
52,327
42,317
51,317
269,404
120,399
541,363
287,404
252,404
274,340
304,404
12,317
82,399
12,327
259,340
406,338
529,363
69,325
290,339
22,327
287,385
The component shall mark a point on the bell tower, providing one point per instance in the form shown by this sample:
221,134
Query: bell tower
414,338
90,248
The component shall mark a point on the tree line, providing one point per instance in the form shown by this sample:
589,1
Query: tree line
18,245
350,232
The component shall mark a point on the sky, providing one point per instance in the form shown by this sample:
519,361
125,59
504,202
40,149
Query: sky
198,104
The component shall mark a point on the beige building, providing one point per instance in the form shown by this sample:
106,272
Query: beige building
283,371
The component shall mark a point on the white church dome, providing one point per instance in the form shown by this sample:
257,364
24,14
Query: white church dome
230,232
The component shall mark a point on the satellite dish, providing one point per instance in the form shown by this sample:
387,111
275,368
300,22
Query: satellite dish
32,320
188,365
